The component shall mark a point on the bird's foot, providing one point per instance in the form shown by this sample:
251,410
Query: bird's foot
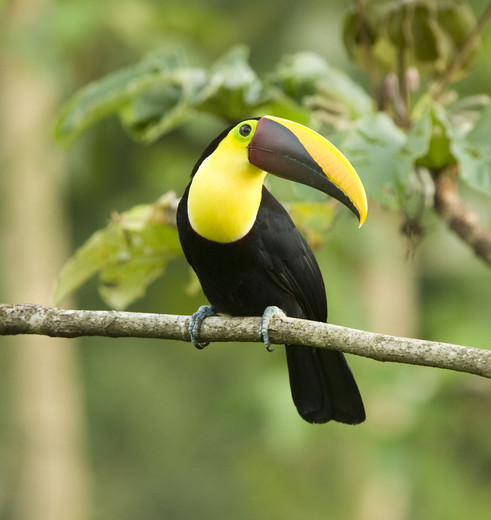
194,325
270,312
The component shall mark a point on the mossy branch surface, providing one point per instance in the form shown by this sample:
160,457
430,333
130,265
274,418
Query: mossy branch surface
48,321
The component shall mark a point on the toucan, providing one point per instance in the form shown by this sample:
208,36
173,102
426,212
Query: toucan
251,259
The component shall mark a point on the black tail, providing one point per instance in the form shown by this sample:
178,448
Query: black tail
323,387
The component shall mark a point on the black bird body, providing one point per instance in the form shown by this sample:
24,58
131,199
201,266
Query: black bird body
272,265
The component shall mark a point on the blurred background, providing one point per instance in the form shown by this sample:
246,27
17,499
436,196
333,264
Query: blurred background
123,428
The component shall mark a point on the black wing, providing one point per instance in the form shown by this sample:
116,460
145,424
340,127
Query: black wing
289,260
321,381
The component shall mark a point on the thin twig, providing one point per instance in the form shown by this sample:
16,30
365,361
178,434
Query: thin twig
36,319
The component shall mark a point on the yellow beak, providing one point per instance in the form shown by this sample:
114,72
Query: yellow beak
295,152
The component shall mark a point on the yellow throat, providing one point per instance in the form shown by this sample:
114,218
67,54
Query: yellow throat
225,194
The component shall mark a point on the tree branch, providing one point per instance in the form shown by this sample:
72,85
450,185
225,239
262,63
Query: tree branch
461,219
36,319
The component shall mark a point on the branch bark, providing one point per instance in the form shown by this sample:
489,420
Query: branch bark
460,218
36,319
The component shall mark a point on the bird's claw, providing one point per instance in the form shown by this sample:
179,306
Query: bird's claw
270,312
194,325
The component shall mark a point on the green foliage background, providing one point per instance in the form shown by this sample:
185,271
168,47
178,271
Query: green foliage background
176,433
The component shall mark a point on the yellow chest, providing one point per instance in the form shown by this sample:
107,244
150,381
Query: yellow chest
224,196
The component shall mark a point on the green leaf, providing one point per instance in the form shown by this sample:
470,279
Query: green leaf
283,106
439,153
121,284
307,74
233,88
162,92
473,152
165,105
384,155
86,263
128,255
110,94
419,136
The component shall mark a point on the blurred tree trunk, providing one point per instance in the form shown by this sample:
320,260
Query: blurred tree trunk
51,466
390,288
390,279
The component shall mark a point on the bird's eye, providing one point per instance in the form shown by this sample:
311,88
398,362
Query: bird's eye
245,130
